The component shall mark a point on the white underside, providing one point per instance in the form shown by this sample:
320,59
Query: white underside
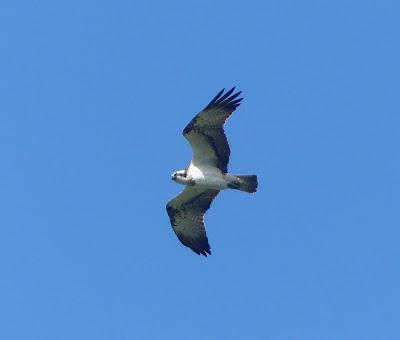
209,177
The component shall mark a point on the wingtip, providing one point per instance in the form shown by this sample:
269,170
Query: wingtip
236,102
205,252
219,94
224,98
203,249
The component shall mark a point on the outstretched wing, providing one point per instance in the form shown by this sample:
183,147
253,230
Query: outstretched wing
186,213
206,134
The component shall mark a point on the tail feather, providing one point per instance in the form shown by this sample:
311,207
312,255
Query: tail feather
247,183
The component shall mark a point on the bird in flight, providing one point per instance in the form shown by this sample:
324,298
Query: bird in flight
207,173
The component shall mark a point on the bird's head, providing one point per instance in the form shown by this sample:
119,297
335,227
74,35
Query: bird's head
179,176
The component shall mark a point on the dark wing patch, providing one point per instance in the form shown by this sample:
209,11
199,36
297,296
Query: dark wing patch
186,213
206,134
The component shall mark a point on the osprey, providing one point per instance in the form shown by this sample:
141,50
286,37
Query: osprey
207,173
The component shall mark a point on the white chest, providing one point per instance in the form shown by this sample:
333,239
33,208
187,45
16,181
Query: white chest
207,176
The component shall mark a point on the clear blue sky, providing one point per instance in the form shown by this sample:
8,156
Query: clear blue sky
93,98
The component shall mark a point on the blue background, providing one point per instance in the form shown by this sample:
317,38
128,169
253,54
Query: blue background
93,98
